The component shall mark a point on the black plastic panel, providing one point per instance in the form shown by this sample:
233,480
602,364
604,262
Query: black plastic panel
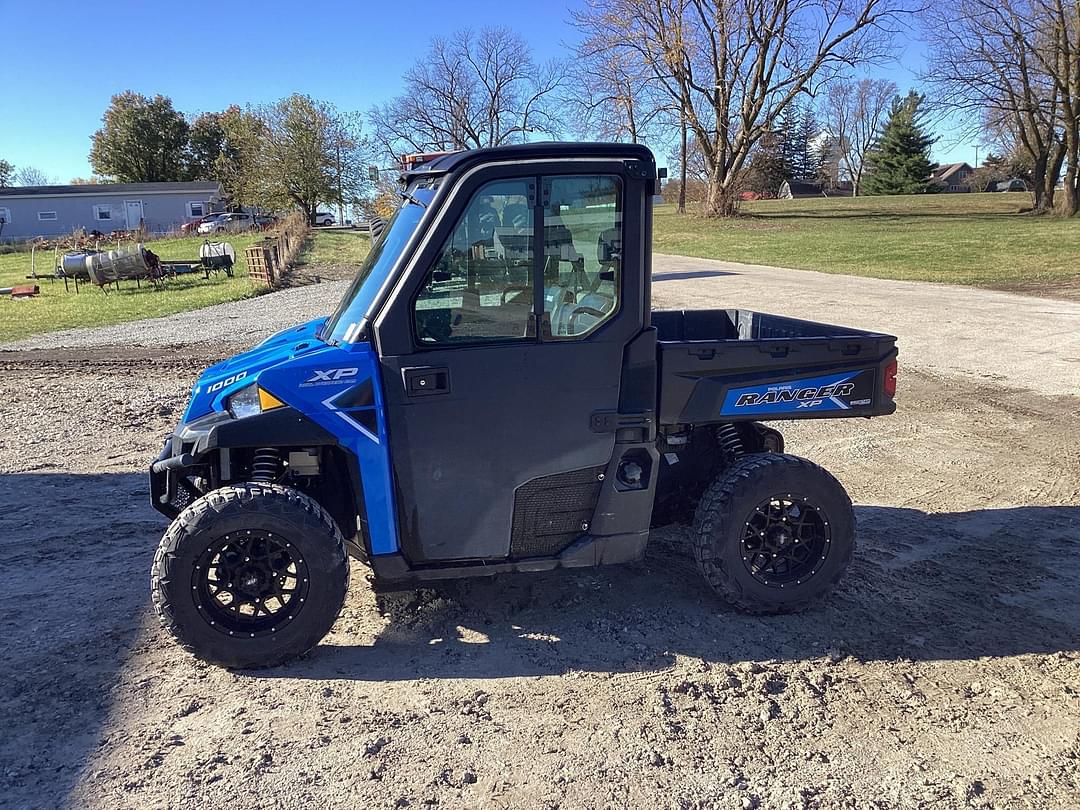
706,354
551,512
516,413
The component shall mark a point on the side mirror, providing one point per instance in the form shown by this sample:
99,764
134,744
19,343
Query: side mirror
440,275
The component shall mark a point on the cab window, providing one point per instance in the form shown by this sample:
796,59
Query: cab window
582,253
480,288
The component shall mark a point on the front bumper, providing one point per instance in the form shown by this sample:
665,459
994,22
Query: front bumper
192,451
171,487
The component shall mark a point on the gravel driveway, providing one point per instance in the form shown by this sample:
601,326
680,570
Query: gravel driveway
945,672
1014,340
236,323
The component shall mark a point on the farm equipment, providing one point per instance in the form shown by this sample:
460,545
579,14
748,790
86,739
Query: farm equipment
137,263
20,291
126,263
494,394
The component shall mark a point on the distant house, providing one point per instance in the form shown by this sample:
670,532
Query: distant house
953,177
801,189
30,211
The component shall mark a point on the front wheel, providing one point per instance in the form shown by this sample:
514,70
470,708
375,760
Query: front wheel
774,533
250,575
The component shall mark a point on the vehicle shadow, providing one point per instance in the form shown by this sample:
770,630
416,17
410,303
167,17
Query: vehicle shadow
74,612
993,582
679,275
74,602
933,214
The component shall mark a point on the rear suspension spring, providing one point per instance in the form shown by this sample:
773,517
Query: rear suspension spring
265,464
729,441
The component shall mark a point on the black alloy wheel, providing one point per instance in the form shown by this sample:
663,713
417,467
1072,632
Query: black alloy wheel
250,582
786,540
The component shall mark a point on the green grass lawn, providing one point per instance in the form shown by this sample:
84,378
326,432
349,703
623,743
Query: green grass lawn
57,309
977,239
345,247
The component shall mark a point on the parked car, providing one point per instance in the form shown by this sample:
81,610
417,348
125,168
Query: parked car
324,218
189,228
1015,184
228,223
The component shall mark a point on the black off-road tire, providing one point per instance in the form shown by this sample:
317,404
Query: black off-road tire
727,506
286,513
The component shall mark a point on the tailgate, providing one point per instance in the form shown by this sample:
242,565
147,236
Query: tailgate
733,365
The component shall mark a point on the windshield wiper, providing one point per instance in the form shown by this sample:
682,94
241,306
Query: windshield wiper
410,198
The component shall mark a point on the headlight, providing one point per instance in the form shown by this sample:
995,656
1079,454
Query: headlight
251,401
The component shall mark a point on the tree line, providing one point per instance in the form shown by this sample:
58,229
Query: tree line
1011,70
754,92
296,152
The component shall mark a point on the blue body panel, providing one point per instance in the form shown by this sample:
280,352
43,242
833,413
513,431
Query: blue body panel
338,388
225,378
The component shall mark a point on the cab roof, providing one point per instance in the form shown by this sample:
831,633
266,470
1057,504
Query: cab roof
553,150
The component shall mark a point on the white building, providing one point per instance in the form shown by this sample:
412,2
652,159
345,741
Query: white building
30,211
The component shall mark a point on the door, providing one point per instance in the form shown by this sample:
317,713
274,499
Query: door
134,210
518,335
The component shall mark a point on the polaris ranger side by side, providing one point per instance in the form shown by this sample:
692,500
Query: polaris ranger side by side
494,394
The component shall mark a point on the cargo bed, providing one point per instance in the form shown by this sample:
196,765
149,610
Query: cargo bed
729,365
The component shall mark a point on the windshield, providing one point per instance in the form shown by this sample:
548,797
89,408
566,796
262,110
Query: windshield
344,325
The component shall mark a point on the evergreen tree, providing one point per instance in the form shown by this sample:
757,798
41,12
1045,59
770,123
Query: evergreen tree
899,162
827,161
787,138
807,166
767,172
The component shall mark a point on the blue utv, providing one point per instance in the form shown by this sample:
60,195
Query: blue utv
495,394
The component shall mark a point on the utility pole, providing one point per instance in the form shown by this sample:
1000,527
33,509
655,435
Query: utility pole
340,193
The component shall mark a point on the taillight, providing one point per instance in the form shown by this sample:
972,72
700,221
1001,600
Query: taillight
890,380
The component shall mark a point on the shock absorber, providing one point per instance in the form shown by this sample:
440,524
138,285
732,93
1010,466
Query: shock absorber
265,464
729,442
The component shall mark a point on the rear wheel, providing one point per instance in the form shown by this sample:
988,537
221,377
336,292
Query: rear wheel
250,575
774,533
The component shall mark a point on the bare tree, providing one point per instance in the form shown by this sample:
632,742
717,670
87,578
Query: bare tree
1057,49
853,112
31,176
733,66
989,64
611,96
469,90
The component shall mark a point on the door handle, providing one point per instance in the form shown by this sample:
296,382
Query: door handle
426,381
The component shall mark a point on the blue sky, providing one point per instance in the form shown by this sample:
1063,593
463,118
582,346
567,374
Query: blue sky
64,60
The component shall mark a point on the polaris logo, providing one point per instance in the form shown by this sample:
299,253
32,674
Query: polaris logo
331,376
806,397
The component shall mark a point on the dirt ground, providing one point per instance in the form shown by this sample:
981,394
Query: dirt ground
945,672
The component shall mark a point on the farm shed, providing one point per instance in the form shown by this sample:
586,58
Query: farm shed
31,211
801,189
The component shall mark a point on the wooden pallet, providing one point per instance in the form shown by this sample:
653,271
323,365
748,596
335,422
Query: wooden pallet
260,262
